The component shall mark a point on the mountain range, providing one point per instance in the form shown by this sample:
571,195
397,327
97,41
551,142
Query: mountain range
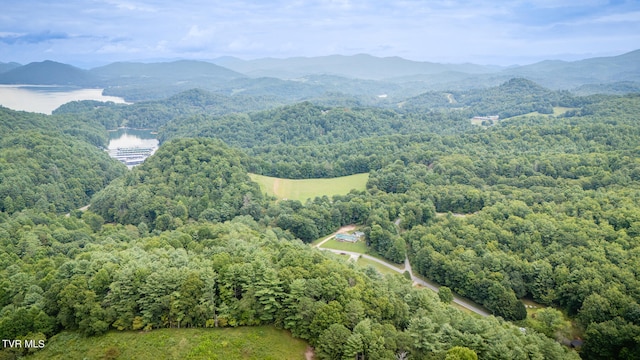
181,70
360,66
47,73
303,77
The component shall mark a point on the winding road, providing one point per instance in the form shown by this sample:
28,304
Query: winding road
407,267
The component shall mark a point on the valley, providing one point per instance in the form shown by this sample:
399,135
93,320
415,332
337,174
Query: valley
214,244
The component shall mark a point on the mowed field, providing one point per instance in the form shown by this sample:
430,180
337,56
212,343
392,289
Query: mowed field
261,342
310,188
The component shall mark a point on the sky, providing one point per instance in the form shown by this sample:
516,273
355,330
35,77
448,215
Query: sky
90,33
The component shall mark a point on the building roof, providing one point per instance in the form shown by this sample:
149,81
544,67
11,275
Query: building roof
346,237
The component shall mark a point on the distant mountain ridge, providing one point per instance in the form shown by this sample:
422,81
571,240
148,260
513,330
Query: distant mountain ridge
48,73
4,67
361,66
307,77
151,81
554,74
562,74
176,70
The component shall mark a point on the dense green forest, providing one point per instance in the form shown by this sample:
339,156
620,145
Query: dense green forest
538,206
62,273
153,114
51,163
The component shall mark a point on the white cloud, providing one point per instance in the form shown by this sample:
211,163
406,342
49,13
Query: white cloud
434,30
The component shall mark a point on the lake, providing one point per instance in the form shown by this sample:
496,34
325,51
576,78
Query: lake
132,146
44,99
132,138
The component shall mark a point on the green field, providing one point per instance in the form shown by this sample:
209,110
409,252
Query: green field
261,342
359,247
381,268
557,111
310,188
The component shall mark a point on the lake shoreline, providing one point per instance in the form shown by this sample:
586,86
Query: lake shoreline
44,99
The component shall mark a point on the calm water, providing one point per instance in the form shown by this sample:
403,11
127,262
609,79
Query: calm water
132,146
45,99
132,138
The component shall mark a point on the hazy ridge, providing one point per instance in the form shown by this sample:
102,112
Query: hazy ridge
300,78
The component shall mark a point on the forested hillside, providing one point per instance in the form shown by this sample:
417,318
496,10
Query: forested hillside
200,178
51,163
51,172
153,114
299,124
64,275
525,184
542,206
517,96
82,128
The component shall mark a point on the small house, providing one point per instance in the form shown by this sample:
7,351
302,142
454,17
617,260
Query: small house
346,238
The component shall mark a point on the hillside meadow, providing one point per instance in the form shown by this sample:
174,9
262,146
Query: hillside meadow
303,189
260,342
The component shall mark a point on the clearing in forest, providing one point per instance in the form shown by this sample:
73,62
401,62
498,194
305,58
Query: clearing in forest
384,270
259,342
557,111
304,189
359,246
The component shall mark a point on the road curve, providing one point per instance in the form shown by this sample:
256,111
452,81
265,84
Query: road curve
407,266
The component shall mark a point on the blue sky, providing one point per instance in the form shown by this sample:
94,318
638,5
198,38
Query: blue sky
95,32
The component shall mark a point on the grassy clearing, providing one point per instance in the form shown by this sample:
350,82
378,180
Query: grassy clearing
262,342
559,110
310,188
478,122
381,268
380,257
532,306
464,310
563,327
318,240
359,246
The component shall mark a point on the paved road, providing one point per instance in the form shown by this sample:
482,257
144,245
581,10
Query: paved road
407,266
